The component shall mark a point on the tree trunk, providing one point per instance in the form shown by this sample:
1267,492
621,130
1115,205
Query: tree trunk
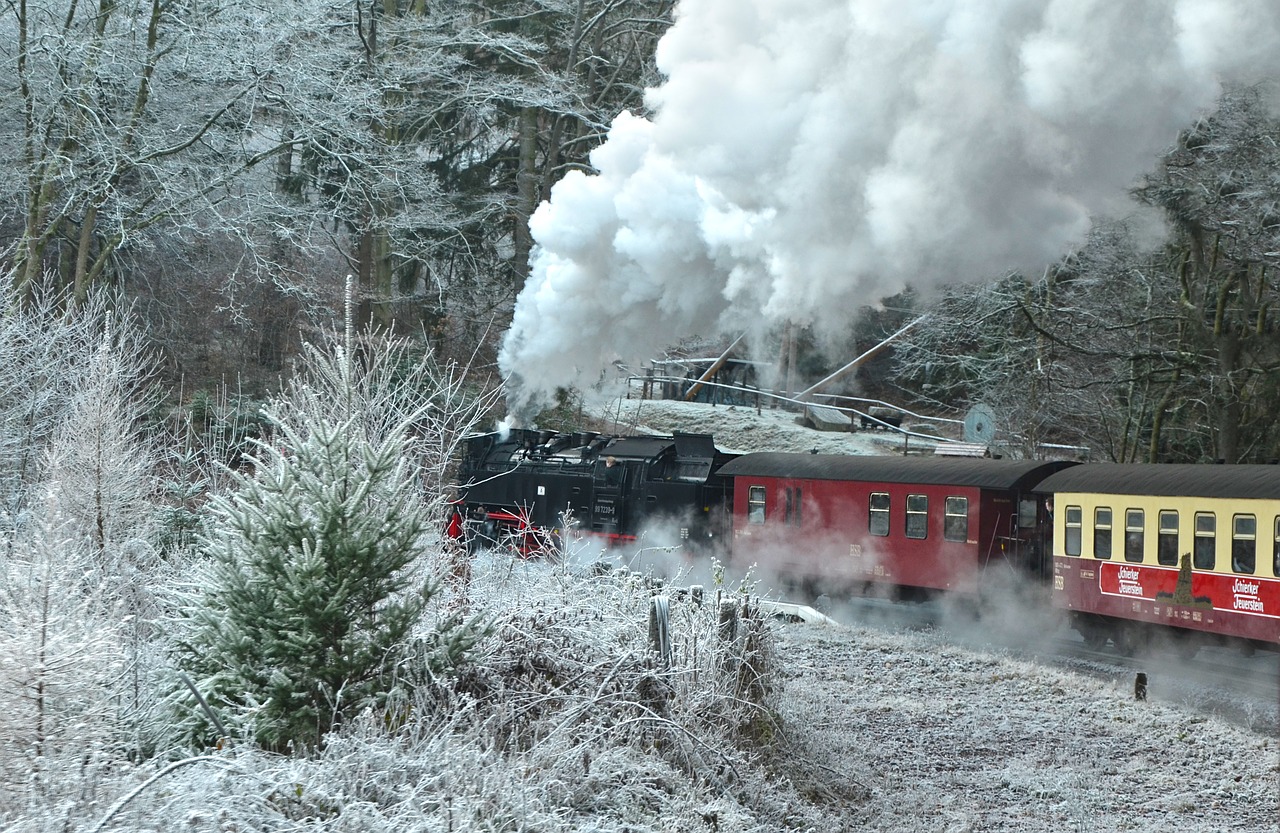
526,194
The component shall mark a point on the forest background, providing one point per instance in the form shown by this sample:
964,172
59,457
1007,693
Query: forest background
223,167
222,463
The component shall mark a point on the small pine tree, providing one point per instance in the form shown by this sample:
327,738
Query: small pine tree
309,596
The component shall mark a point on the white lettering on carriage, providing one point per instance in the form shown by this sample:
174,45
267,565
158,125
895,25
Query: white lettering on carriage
1245,596
1129,583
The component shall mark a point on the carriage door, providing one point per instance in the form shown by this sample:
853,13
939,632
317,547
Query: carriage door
1035,533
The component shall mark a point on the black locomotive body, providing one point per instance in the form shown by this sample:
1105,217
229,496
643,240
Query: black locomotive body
526,487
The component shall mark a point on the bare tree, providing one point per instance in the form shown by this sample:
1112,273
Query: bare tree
132,118
59,680
1218,188
1084,355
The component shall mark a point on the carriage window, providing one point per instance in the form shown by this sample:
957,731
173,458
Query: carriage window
1102,532
1072,532
755,505
878,519
1275,567
793,503
1167,540
955,525
917,516
1134,534
1027,512
1244,543
1204,550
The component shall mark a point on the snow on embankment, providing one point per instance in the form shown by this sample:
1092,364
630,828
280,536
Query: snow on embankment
945,738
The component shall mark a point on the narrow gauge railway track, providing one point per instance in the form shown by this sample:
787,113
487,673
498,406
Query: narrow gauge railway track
1218,679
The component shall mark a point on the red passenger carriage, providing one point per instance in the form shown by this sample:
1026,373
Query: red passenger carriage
906,522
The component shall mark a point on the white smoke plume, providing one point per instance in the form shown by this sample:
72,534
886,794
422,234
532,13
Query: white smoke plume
809,157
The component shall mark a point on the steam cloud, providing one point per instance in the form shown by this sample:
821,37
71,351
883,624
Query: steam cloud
809,157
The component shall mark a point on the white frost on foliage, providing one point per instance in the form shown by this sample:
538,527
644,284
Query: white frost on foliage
811,157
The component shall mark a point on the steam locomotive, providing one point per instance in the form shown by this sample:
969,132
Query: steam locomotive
1191,552
528,488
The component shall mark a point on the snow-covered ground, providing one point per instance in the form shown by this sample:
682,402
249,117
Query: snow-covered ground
737,428
942,738
911,731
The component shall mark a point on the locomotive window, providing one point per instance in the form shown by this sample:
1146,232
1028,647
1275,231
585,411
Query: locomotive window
1134,534
755,505
878,517
1244,543
955,524
1167,540
917,516
1204,551
1073,531
1027,513
1102,532
795,516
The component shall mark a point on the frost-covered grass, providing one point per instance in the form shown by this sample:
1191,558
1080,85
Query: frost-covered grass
947,738
563,718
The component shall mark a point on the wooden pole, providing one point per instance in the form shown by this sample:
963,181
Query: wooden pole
859,360
719,363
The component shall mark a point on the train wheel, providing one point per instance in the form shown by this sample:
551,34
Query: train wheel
1095,637
1129,638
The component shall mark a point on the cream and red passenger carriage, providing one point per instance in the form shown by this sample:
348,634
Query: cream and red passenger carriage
1190,550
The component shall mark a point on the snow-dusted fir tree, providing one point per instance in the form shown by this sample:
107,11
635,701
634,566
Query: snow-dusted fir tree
384,383
309,599
320,563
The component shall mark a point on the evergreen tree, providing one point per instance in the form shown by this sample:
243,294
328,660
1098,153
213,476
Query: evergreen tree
309,596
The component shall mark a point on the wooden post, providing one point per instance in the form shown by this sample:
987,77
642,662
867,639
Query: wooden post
711,371
804,394
728,623
660,629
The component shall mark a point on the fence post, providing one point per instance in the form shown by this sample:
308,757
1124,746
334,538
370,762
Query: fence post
660,628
